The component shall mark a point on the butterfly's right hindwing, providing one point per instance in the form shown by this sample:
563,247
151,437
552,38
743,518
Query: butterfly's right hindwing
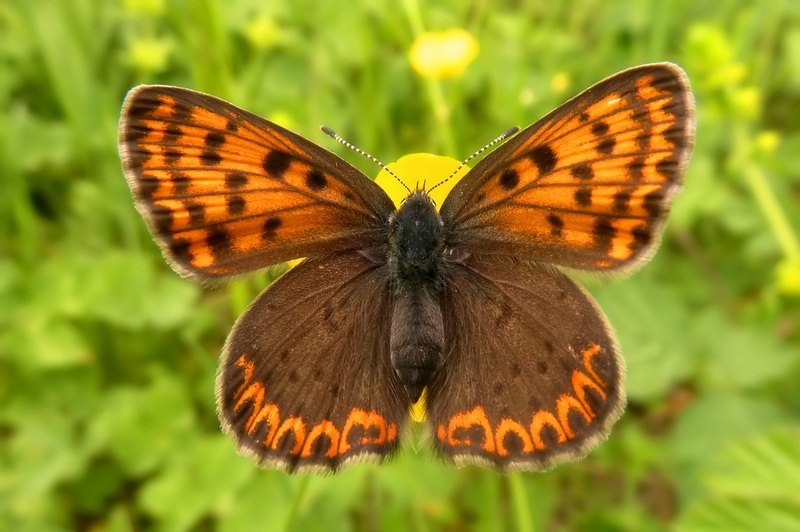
533,376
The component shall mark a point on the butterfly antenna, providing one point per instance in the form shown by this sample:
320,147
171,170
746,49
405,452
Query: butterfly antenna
335,136
501,138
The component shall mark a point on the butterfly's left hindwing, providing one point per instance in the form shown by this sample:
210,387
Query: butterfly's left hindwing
532,374
226,192
306,381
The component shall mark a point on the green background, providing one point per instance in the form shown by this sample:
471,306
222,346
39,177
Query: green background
107,357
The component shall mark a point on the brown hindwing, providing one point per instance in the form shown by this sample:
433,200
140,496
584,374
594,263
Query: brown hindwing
306,381
533,376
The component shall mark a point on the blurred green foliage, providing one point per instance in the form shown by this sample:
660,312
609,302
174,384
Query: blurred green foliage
107,358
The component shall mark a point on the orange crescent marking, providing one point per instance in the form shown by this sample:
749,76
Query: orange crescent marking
566,403
366,420
441,433
328,429
588,354
298,428
507,425
255,394
249,367
391,433
465,420
581,381
269,413
540,420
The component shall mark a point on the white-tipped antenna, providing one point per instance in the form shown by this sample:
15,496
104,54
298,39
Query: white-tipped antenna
501,138
335,136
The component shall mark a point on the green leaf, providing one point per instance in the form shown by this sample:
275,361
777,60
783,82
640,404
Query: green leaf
714,420
264,503
753,484
143,428
49,345
129,294
204,478
741,355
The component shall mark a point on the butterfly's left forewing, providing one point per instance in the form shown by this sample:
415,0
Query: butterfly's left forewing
589,185
225,191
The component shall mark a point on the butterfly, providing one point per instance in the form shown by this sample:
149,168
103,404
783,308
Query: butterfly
467,305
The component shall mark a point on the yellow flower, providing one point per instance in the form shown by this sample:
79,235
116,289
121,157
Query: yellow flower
417,410
788,273
145,7
149,54
767,142
420,169
263,33
446,54
560,82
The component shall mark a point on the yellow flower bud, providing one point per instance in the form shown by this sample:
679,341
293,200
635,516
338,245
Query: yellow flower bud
788,274
149,54
446,54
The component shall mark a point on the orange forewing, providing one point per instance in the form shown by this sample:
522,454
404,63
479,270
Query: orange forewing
587,186
227,192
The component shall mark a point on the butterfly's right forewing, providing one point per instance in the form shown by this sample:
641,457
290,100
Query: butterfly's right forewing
589,185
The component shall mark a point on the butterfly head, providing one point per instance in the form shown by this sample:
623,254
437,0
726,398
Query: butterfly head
416,241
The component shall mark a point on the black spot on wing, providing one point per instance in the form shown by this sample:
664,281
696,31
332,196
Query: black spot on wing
606,146
219,241
276,162
172,134
270,228
236,205
583,172
636,168
316,180
652,203
556,225
622,201
600,128
603,232
509,179
210,156
583,196
197,212
235,179
544,158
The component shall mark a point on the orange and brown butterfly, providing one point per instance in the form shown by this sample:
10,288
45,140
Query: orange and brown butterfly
520,367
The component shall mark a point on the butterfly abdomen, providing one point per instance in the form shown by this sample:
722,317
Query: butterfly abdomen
416,267
417,339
